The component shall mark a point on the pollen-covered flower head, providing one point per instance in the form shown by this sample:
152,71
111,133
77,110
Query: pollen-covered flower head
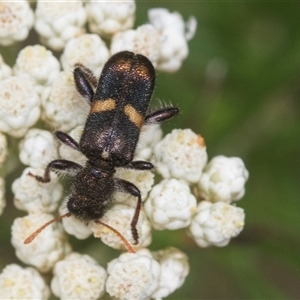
170,205
215,224
22,283
16,19
109,17
34,196
146,40
223,179
46,249
19,105
38,148
120,217
88,50
63,108
39,64
58,21
181,154
78,277
174,267
174,34
133,276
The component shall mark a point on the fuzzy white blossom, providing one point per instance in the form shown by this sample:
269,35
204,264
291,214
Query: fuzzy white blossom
216,223
173,47
69,153
16,19
2,195
59,21
149,137
174,269
3,148
22,283
170,205
109,17
133,276
143,180
5,70
49,247
88,50
119,217
38,148
39,64
181,154
73,225
34,196
78,277
19,105
143,40
63,108
223,179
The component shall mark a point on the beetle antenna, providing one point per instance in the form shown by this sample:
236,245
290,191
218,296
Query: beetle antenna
29,239
125,242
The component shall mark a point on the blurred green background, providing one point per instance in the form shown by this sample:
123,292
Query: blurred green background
240,89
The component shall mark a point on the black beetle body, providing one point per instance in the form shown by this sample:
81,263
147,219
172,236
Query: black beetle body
118,110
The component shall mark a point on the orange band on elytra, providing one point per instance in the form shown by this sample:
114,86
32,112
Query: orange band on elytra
134,116
103,105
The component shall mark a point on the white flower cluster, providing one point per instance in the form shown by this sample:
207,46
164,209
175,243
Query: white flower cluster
163,40
22,283
145,275
16,19
38,90
181,159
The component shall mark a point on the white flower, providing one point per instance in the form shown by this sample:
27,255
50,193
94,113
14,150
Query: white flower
108,17
181,154
68,153
133,276
73,225
78,277
3,148
59,21
2,196
16,19
143,180
143,40
119,217
63,108
38,148
5,70
37,63
174,269
19,105
223,179
46,249
22,283
149,137
173,48
170,205
216,223
88,50
34,196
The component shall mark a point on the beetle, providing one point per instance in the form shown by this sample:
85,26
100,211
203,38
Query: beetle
119,105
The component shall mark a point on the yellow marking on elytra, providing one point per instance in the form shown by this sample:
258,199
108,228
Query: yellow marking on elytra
103,105
134,116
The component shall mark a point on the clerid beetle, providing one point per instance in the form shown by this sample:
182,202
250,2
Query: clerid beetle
118,110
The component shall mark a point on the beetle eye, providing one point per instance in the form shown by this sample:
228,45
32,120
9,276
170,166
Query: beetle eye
72,207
